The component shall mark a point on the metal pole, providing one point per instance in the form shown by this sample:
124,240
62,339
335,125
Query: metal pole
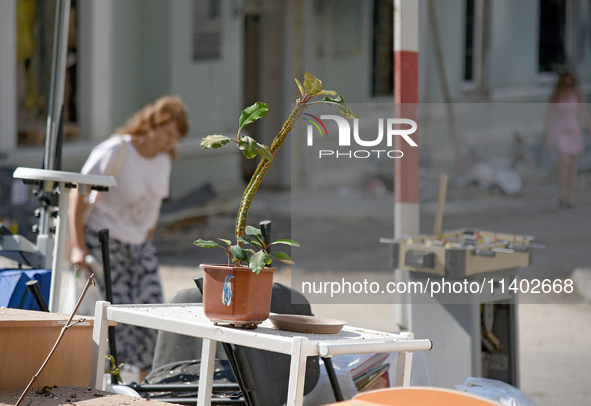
45,242
326,349
56,93
332,377
434,26
58,77
35,290
103,236
406,98
59,248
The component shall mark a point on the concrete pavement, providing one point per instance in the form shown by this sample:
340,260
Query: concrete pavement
553,329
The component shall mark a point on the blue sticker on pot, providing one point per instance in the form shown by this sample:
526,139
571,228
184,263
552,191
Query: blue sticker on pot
227,293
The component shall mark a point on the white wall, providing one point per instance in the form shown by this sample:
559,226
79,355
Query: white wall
155,49
451,21
95,68
348,73
212,89
127,46
583,50
142,55
514,43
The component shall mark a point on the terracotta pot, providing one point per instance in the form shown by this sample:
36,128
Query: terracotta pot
237,296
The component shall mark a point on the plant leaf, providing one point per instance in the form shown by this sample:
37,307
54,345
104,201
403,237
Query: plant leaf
248,146
228,242
206,243
253,231
283,257
300,86
257,261
253,113
238,253
340,102
268,258
286,242
309,81
214,141
248,241
326,92
314,85
264,151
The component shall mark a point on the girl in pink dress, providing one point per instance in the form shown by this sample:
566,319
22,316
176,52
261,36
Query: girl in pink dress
564,129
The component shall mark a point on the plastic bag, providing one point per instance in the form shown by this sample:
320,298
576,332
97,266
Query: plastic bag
322,394
502,392
73,284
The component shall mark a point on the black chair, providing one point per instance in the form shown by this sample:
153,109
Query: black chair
176,367
172,347
263,376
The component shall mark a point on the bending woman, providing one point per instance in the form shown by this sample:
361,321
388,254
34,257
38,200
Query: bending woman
139,156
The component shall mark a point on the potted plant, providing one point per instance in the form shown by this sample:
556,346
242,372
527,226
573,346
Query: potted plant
241,294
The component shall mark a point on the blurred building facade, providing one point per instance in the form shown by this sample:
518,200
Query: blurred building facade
221,55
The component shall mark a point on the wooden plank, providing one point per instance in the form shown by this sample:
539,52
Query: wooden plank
25,349
27,337
24,318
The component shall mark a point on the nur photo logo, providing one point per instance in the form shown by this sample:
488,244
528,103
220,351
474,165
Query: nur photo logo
380,145
315,123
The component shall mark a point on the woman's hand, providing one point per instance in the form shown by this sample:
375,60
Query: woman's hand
77,257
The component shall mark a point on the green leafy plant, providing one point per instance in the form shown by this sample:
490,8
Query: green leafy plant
114,369
258,259
310,91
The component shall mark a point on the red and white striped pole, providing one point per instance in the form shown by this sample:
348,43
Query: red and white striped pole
406,98
406,169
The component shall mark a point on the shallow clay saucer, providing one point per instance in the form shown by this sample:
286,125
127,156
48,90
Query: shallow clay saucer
306,324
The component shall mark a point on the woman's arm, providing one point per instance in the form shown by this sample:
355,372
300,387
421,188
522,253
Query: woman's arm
79,251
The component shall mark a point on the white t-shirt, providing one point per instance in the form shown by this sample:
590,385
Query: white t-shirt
131,209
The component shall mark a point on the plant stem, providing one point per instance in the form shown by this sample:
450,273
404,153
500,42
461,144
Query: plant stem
262,168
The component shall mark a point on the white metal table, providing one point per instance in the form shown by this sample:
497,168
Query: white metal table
189,319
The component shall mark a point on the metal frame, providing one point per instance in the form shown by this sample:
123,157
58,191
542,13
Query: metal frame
189,319
55,252
463,324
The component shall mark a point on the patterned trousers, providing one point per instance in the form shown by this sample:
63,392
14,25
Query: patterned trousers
135,279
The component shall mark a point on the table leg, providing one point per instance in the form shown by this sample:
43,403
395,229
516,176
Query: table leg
99,345
206,374
297,375
403,366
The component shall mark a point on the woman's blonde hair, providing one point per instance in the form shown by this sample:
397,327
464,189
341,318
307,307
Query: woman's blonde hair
561,85
161,112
